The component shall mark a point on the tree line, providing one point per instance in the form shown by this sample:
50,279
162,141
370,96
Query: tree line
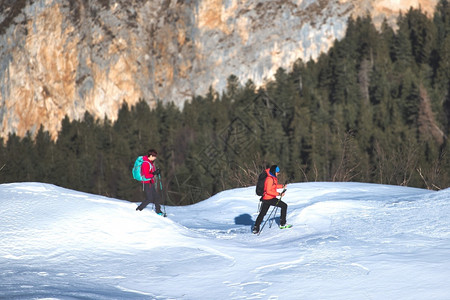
375,108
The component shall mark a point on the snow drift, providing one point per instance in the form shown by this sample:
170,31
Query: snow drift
349,241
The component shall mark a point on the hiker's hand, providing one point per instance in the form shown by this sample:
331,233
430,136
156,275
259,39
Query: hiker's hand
282,194
157,172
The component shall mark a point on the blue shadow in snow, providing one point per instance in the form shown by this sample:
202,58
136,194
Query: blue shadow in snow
244,219
277,220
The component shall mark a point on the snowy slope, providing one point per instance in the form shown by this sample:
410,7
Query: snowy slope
349,241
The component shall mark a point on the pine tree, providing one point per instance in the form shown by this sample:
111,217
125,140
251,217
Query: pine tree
402,54
44,155
421,34
441,62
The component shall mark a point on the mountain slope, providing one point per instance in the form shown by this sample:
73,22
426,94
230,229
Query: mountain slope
66,57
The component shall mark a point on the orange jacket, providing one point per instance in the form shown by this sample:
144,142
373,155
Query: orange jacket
270,186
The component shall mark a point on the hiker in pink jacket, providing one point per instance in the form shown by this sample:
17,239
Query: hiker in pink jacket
149,171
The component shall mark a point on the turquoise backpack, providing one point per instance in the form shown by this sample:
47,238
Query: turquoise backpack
137,169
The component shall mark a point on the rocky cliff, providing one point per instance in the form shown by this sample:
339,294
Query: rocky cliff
60,57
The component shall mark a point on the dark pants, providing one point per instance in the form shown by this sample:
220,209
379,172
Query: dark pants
150,196
265,204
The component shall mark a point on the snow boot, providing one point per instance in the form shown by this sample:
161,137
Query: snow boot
285,226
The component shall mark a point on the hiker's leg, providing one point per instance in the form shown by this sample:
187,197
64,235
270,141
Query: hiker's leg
155,199
283,207
148,196
264,208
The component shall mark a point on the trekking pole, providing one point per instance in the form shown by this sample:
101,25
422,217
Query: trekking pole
272,211
271,221
158,179
276,207
162,194
268,218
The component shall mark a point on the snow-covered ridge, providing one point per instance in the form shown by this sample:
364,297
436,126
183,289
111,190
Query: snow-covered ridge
349,241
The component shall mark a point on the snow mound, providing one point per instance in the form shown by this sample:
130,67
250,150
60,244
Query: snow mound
348,241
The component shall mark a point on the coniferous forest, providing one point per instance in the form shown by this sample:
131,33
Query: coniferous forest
375,108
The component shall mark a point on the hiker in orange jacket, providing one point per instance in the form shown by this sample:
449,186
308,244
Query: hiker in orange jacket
270,198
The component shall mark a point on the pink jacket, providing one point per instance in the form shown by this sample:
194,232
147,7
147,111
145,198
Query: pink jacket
147,168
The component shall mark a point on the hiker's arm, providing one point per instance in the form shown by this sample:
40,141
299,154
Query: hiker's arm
146,171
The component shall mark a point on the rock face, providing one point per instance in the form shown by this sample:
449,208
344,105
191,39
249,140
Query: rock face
60,57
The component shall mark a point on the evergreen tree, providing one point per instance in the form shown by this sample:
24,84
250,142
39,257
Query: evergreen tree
402,54
44,162
410,98
441,61
421,34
